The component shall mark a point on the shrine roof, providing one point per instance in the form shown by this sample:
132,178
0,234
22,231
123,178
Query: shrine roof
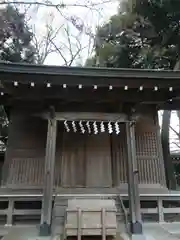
159,87
54,74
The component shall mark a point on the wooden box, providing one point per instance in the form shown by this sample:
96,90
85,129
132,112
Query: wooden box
90,217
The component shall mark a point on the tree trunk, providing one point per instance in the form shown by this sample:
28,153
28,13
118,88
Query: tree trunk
169,168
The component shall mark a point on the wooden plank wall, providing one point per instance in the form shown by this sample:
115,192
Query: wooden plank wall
24,162
26,171
149,152
150,162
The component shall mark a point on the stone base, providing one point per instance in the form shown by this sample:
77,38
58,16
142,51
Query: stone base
136,228
45,230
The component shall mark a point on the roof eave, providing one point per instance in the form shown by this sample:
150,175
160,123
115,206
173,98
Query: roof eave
22,68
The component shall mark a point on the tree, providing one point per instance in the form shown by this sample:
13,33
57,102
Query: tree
144,34
15,46
15,37
53,24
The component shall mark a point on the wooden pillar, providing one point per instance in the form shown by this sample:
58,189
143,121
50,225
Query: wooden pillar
161,170
45,228
133,190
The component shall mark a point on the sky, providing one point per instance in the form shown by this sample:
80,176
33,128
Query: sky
39,17
91,18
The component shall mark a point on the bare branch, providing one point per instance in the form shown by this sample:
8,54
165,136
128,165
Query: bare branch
61,5
177,145
44,45
175,131
69,41
48,42
75,55
59,51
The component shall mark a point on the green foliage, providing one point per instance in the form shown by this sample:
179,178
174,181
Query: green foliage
15,46
15,37
144,34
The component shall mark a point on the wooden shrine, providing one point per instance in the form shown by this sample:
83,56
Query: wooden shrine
87,130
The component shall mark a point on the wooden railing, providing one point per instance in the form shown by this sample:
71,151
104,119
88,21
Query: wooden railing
157,207
20,209
23,209
161,208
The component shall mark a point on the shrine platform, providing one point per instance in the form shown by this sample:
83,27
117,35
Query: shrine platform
21,208
144,190
152,231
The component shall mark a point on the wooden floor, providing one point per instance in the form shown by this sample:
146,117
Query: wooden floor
74,191
155,231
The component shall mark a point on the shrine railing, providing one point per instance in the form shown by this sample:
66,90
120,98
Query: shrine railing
158,208
26,209
20,209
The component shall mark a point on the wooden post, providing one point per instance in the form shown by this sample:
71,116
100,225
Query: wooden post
10,213
161,166
132,172
160,210
103,223
45,228
79,224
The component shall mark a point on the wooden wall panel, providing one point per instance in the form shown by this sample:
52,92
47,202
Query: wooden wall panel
24,163
26,140
150,163
26,172
119,157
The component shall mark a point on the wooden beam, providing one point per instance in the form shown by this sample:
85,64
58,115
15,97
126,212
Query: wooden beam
89,94
45,228
88,116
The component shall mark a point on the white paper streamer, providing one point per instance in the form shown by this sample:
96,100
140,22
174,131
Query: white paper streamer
117,129
88,127
74,126
95,128
82,127
110,129
102,127
66,126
